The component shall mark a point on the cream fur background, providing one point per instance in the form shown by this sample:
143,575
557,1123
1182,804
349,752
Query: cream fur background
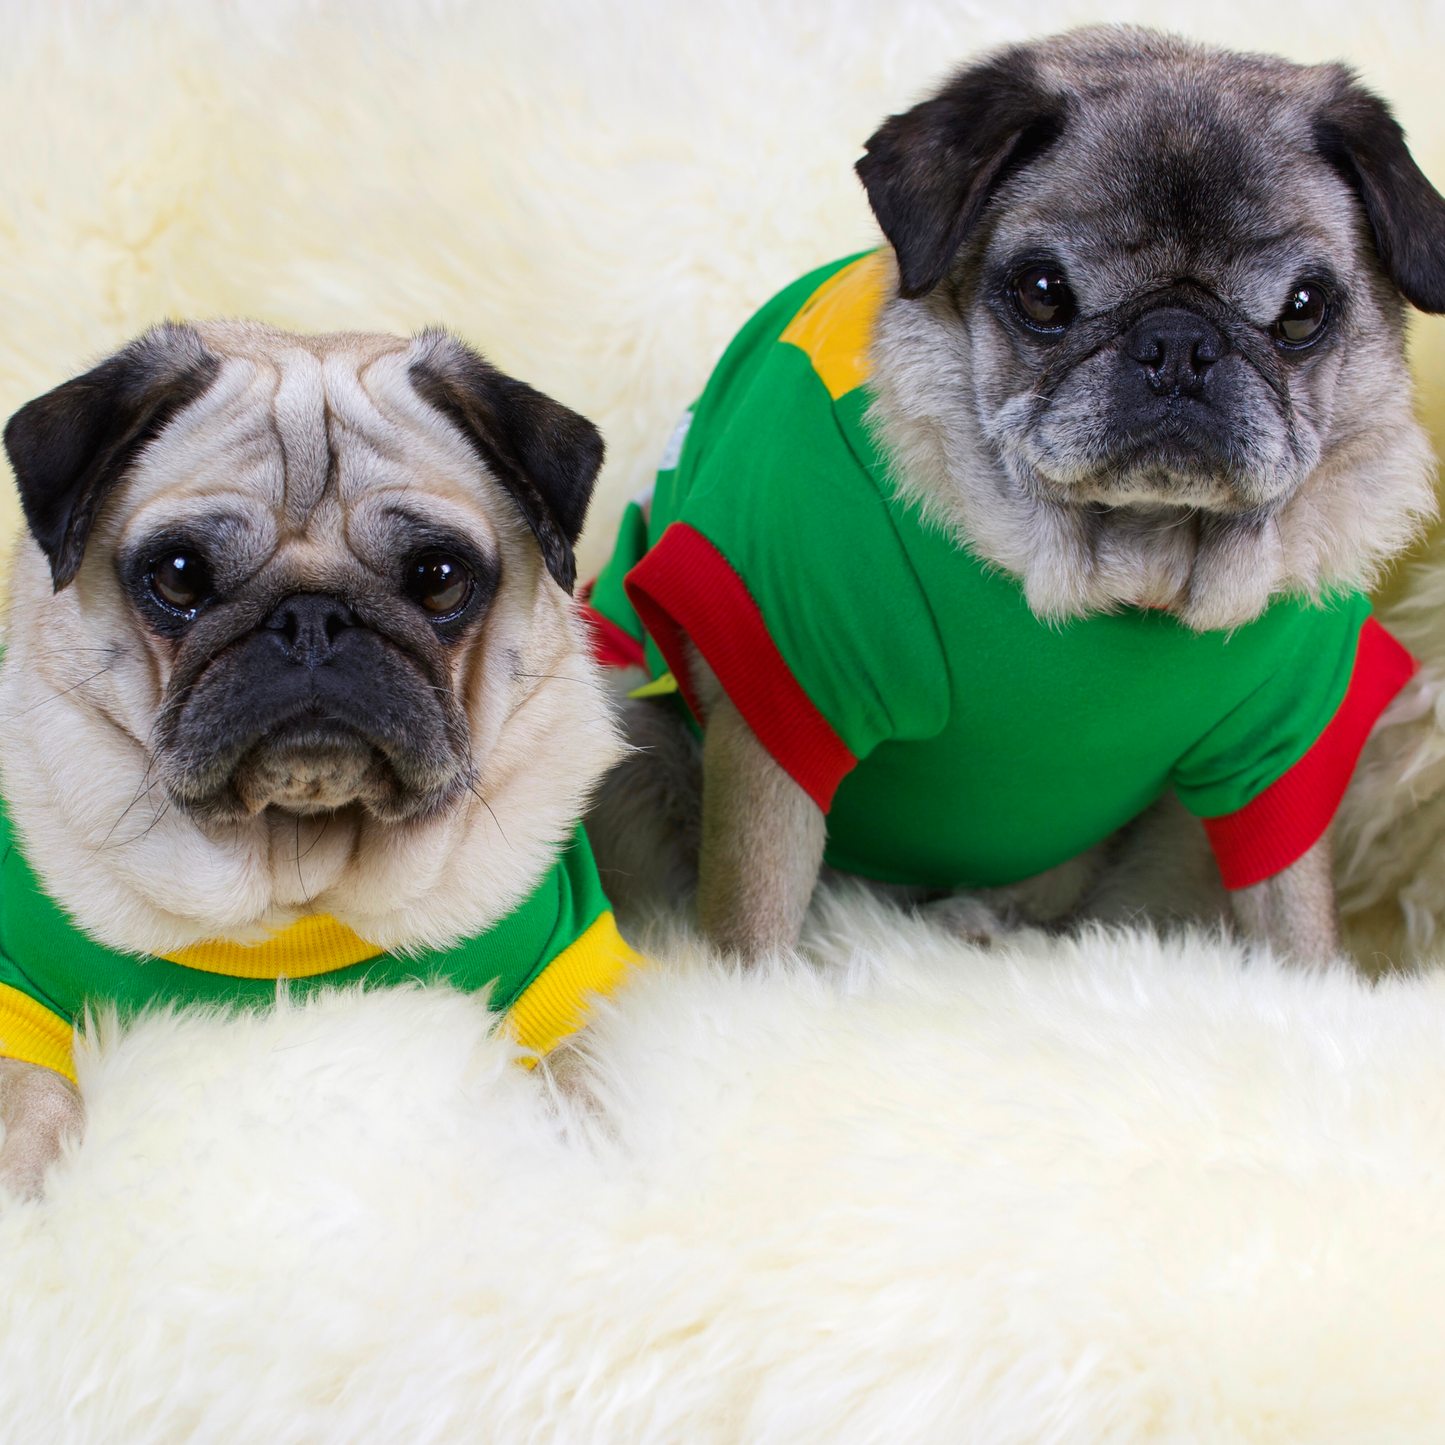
1076,1192
597,194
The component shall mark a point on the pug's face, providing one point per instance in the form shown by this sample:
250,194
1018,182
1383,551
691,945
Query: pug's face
1148,341
1178,334
308,555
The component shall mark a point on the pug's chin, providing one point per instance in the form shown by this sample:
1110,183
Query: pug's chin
1165,491
312,779
306,776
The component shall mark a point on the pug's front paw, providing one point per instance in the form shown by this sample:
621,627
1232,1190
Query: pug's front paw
40,1110
966,917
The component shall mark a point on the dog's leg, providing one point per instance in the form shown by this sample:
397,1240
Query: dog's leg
762,841
1159,869
40,1109
1047,900
1295,910
645,821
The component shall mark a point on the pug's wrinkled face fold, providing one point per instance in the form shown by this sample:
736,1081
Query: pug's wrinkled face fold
310,693
1182,352
307,537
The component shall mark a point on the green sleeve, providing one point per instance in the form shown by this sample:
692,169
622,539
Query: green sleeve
783,498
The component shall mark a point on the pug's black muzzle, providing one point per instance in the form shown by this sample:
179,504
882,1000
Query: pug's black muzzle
1175,394
1174,337
1181,376
310,711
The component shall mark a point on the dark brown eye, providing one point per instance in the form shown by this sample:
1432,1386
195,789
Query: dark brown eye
1304,315
1044,298
181,580
439,583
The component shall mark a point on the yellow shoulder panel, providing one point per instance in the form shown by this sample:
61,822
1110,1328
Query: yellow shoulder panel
318,944
554,1004
835,325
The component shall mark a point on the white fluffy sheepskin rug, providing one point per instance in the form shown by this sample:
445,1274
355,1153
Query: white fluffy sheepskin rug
1109,1189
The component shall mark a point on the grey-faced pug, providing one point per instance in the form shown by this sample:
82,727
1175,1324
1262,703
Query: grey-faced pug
293,687
988,545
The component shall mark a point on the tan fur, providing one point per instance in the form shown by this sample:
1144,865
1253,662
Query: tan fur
1294,911
82,679
1054,897
40,1111
1390,833
1159,870
762,841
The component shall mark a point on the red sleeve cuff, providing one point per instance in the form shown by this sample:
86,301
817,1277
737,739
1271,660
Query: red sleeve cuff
684,588
1290,816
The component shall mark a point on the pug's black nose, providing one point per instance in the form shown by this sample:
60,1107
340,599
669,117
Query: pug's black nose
1175,348
308,625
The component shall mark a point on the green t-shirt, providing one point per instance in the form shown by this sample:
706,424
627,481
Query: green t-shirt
953,738
540,959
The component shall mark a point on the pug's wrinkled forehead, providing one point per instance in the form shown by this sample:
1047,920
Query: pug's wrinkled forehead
300,453
273,443
1126,144
289,438
1203,166
311,538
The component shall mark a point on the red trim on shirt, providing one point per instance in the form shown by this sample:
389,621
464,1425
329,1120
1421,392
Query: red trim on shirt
685,588
612,646
1290,816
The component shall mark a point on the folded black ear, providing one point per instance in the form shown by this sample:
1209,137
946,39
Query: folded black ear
544,454
70,447
930,171
1356,133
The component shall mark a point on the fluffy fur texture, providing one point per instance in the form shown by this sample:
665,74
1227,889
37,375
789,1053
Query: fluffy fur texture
308,466
1095,1191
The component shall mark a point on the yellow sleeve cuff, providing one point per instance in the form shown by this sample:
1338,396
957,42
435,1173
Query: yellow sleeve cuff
31,1033
554,1004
